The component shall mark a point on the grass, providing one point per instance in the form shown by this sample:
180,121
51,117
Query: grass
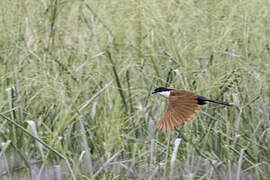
77,76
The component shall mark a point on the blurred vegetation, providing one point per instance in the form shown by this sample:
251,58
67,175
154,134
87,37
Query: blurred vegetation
76,79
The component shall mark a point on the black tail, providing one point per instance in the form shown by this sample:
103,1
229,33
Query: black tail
202,100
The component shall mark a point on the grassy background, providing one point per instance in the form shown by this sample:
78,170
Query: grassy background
77,76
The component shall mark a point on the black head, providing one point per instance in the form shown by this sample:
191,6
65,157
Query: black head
161,89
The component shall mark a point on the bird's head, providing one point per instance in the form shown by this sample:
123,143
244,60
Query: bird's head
162,91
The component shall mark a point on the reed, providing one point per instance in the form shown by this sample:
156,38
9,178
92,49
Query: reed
76,79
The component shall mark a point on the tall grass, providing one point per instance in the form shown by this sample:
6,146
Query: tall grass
76,80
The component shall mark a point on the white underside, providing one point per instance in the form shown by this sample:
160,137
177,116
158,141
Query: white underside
165,94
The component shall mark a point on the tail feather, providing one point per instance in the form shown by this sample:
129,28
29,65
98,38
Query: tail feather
202,100
219,102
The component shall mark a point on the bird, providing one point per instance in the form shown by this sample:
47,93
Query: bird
183,106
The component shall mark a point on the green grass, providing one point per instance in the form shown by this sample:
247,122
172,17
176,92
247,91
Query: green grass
76,80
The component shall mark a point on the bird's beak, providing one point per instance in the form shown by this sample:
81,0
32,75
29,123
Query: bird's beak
154,92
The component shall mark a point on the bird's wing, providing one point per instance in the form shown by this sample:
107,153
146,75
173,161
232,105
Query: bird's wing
183,106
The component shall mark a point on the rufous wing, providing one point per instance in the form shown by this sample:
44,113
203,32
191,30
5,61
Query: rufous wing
183,106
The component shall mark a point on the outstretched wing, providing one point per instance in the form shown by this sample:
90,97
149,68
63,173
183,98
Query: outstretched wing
183,106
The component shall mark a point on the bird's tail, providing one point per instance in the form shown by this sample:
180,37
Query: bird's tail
202,100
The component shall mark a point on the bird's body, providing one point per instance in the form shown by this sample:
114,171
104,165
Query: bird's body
183,106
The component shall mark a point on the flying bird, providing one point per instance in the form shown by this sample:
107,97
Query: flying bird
183,106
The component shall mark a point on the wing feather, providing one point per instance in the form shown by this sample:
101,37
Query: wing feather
183,106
